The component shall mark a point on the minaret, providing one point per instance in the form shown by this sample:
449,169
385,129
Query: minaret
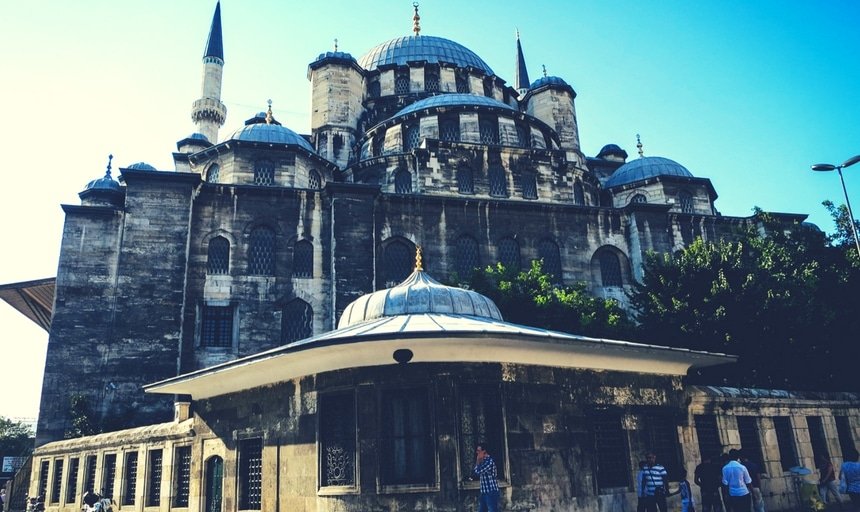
208,113
521,79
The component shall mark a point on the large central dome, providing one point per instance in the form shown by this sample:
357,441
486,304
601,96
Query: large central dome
430,49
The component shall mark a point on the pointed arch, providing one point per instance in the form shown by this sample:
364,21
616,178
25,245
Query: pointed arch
296,321
398,261
509,253
303,259
578,193
549,253
466,258
261,251
218,256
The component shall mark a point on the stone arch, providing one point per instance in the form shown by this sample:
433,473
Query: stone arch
397,261
609,267
297,320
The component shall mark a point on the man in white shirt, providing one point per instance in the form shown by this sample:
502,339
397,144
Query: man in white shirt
736,480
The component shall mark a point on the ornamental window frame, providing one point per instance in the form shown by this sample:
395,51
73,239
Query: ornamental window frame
213,173
297,320
406,418
264,173
217,326
411,136
480,417
401,82
249,473
488,130
685,202
337,443
218,256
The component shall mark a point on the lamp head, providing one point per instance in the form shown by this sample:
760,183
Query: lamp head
823,167
851,161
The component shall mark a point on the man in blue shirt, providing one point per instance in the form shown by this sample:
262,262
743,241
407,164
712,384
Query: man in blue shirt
736,480
654,479
485,469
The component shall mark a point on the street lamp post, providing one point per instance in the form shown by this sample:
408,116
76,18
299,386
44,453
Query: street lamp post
838,168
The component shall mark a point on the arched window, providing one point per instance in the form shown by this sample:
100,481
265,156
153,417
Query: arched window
403,182
639,199
498,181
218,256
466,256
578,193
401,82
488,128
213,173
214,484
686,200
509,253
264,173
465,180
411,136
374,90
461,80
431,81
529,182
314,180
548,252
297,321
378,145
398,260
449,128
610,269
523,137
261,252
303,259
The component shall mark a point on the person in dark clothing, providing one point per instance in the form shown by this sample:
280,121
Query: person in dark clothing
709,478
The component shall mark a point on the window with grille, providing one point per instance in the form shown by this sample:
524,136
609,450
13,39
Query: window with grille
90,475
44,472
686,201
250,474
785,441
661,436
498,181
461,80
843,432
411,136
610,268
378,144
748,431
524,139
218,256
401,83
578,193
639,199
181,476
488,88
466,256
529,182
509,253
407,441
708,435
264,173
488,130
303,259
216,329
109,476
128,495
403,182
431,82
288,158
261,252
374,90
213,174
549,253
611,450
465,180
153,490
480,421
817,437
214,484
449,128
297,321
398,260
337,439
314,180
72,481
57,483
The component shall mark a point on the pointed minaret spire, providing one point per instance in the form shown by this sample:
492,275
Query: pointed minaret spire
416,20
208,113
639,146
521,78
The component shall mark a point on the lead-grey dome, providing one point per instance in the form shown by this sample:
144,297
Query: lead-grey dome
418,294
644,168
430,49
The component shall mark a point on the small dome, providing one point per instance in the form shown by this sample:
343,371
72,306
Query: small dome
430,49
548,80
452,100
105,183
271,134
141,166
612,150
644,168
418,294
197,136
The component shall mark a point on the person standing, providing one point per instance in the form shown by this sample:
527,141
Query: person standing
736,480
485,470
828,487
654,477
755,487
849,474
709,478
641,499
688,504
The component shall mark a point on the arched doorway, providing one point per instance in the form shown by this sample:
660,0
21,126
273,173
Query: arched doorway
214,487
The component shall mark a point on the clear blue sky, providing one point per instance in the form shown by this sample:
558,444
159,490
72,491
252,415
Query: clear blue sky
746,93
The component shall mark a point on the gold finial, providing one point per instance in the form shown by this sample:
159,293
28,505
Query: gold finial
639,146
335,44
418,265
544,69
416,19
107,172
269,116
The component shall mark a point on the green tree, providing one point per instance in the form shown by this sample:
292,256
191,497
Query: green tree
16,438
779,297
532,298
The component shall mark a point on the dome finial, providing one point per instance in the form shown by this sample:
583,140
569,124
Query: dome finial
107,172
416,19
543,66
269,116
639,146
419,267
335,44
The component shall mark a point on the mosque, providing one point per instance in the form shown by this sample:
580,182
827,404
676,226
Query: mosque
262,328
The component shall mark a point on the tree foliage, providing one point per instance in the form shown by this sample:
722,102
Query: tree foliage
784,300
16,438
532,298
